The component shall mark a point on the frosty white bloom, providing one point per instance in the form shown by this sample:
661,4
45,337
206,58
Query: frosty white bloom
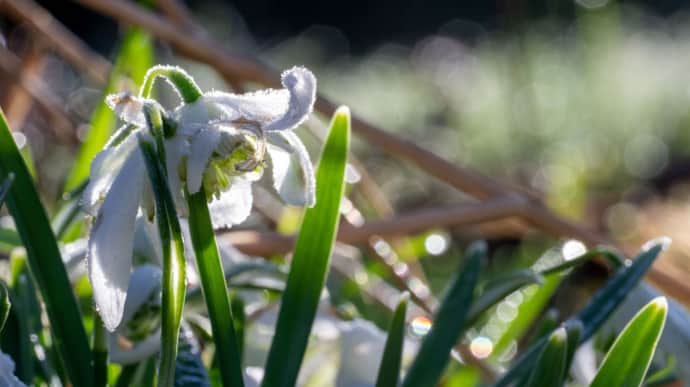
218,142
227,136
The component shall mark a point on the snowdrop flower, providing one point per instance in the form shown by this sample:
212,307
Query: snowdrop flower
219,143
228,135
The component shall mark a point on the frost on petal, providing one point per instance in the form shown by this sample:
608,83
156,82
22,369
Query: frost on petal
293,173
202,147
128,107
233,206
301,84
275,109
104,168
110,243
195,116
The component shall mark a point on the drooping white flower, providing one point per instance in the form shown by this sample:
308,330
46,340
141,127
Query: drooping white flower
218,142
228,135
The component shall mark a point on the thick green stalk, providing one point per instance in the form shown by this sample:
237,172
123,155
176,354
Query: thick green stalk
214,288
45,263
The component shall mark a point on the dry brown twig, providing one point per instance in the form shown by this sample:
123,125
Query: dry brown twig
59,38
28,83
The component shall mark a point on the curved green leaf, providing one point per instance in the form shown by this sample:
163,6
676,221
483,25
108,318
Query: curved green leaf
389,370
551,365
449,323
311,259
627,361
598,309
45,262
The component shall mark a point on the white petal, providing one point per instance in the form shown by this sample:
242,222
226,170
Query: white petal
111,240
197,115
293,173
302,86
104,168
201,149
145,280
233,206
147,243
275,109
128,107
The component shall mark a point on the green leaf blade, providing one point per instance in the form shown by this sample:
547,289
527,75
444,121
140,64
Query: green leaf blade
45,262
449,323
389,370
551,365
311,259
627,361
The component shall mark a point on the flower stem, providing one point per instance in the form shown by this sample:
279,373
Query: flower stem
173,264
214,288
184,84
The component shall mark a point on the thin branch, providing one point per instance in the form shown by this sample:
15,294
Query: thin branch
46,101
270,243
58,37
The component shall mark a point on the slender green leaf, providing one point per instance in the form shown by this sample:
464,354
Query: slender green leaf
574,329
311,259
389,370
138,374
627,361
547,324
214,288
550,368
607,299
99,352
449,323
500,289
5,305
45,263
598,309
5,187
239,320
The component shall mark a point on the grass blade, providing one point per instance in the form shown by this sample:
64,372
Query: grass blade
5,305
449,323
310,260
627,361
550,368
99,352
45,262
500,289
599,308
389,370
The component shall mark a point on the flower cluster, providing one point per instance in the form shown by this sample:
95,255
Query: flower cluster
217,144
